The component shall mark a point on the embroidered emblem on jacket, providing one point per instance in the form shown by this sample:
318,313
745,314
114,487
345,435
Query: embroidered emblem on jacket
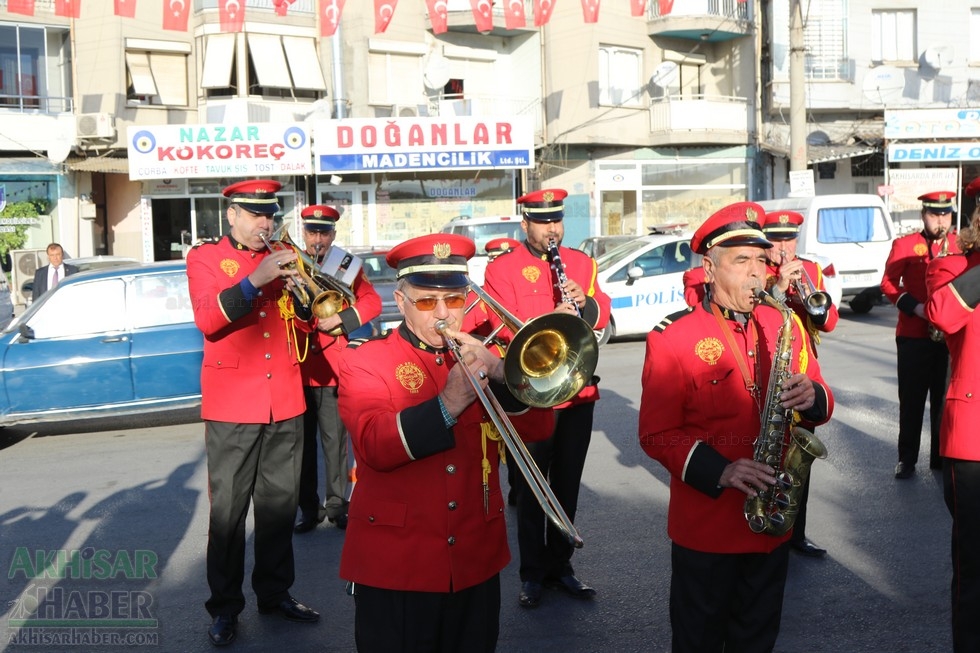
410,376
531,273
709,350
229,266
920,249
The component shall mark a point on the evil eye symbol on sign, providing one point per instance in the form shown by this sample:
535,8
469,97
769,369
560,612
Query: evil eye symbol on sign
294,138
144,142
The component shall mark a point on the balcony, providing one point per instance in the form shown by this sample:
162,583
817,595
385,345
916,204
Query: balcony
460,19
700,120
711,21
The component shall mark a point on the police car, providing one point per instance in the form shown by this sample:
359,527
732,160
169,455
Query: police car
644,279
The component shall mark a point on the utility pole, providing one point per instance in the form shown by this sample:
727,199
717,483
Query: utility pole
797,89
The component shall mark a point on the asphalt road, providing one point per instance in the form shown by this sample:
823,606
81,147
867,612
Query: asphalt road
132,502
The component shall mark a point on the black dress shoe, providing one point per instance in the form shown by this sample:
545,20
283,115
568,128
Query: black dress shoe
305,525
904,470
292,610
571,585
808,548
223,630
340,522
530,596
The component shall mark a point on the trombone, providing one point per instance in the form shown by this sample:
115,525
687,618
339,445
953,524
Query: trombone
518,451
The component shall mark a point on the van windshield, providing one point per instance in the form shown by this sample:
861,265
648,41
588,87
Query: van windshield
861,224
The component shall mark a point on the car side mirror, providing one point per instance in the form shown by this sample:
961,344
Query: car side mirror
634,273
26,332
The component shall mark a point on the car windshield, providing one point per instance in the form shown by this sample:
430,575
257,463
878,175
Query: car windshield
481,234
620,251
376,268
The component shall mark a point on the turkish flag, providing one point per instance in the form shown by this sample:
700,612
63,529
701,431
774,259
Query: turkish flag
666,6
175,14
67,8
638,7
482,15
23,7
590,10
383,11
282,6
514,14
125,8
232,15
542,11
438,15
330,11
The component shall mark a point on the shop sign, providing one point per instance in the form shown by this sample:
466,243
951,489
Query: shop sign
931,152
913,124
227,150
402,144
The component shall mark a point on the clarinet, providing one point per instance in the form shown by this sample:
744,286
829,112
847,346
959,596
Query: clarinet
560,277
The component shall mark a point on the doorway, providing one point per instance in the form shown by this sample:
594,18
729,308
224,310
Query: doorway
171,228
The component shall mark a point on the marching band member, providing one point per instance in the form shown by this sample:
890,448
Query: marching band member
426,538
524,281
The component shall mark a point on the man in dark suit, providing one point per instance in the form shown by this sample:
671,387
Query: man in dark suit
48,276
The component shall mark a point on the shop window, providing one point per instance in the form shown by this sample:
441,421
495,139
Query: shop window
156,72
620,78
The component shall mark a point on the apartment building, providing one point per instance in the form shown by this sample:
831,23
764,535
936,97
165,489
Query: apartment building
646,120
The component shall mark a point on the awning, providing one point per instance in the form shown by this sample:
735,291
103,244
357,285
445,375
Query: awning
824,153
98,164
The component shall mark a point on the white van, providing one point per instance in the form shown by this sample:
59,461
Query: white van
481,231
853,232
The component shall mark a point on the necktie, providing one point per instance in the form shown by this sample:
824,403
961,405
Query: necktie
55,281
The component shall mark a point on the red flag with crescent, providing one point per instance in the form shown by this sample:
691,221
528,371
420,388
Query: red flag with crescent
125,8
383,11
542,11
590,10
482,15
282,6
438,15
514,14
22,7
330,11
232,15
638,7
67,8
175,14
666,6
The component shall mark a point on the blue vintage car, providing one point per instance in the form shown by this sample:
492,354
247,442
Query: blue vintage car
111,342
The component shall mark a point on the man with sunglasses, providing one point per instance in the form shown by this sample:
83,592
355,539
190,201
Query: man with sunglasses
526,283
922,355
426,536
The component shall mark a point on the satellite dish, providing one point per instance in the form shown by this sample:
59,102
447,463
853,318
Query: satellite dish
435,74
664,75
932,60
883,84
59,150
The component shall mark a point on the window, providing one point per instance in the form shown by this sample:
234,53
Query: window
34,68
851,225
158,300
276,66
974,40
620,73
893,35
77,301
394,78
825,40
156,72
872,165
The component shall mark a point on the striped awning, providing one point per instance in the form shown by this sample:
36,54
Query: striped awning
824,153
98,164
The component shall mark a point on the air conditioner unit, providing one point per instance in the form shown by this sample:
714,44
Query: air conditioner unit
95,125
405,111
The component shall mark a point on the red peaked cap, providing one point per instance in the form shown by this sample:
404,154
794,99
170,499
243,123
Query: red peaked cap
320,217
972,188
782,225
499,245
543,205
940,201
433,261
736,224
255,195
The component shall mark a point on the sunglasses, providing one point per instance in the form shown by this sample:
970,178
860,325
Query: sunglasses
429,303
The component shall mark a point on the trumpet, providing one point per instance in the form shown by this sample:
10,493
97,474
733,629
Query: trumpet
815,302
520,456
320,293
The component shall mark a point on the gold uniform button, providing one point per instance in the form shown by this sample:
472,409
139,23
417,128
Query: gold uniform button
371,519
969,395
266,335
268,375
452,505
452,540
450,469
268,356
261,313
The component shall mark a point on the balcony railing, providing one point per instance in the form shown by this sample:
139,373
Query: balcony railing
35,104
736,9
700,118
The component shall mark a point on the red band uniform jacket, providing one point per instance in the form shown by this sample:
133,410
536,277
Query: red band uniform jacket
954,292
324,350
250,373
795,302
696,416
904,281
417,520
526,286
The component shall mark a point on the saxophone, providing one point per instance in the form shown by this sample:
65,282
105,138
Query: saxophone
773,511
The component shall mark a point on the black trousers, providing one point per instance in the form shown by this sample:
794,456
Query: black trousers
323,417
260,463
922,369
726,602
561,458
393,621
961,489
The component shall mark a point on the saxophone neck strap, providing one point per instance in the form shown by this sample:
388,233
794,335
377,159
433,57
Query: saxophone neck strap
743,365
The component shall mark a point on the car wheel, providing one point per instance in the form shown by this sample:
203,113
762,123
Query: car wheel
602,336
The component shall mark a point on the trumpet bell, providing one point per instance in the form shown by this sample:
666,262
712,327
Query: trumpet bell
550,359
